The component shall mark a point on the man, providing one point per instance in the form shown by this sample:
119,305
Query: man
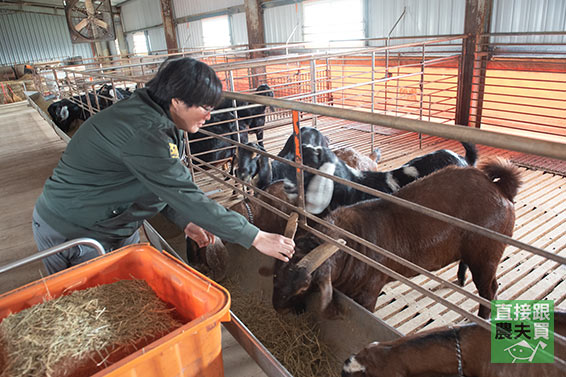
124,165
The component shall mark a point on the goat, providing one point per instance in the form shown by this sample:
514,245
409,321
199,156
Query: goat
463,350
253,118
213,258
67,111
323,192
261,171
256,122
106,94
210,149
483,197
356,160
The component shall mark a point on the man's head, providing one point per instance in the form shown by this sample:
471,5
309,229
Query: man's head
189,89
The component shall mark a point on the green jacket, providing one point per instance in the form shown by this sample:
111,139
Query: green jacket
123,166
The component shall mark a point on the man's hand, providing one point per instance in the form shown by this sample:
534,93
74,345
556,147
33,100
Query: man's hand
202,237
274,245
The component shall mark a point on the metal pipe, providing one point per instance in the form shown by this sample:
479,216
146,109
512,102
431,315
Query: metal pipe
257,351
372,98
467,134
54,250
313,85
158,241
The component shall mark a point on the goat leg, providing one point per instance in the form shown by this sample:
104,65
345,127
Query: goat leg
328,305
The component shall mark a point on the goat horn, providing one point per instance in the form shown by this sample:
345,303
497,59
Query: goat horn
291,227
319,255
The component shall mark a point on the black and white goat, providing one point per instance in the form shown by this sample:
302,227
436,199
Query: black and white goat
64,113
210,149
261,171
323,193
67,111
252,118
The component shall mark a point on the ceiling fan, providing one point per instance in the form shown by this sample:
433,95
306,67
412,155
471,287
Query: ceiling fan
89,20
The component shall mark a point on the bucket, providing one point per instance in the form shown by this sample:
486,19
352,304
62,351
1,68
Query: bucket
193,349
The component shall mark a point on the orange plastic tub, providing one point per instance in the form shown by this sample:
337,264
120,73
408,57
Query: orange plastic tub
194,349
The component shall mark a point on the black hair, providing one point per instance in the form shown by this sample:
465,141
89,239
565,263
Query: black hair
187,79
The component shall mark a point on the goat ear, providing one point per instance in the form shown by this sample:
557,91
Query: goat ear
265,173
320,190
266,271
318,256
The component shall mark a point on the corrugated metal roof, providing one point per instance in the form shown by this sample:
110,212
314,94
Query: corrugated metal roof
31,37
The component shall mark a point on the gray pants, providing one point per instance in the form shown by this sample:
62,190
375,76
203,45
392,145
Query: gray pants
46,237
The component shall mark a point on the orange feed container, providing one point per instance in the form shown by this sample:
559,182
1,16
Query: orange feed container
194,349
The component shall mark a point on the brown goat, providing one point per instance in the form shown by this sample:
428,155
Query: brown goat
436,352
213,258
483,197
264,218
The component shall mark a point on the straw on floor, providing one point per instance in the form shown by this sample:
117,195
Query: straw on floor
292,339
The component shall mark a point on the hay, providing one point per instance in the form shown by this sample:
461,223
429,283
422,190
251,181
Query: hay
86,329
13,91
292,339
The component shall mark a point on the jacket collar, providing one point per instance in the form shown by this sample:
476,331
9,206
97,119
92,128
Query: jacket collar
145,97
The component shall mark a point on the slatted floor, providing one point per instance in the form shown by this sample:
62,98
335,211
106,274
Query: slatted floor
540,205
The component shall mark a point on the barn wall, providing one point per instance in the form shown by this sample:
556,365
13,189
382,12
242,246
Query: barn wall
422,17
31,37
529,16
189,35
141,14
239,29
185,8
281,21
156,38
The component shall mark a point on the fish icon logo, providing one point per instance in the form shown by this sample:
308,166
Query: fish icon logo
524,351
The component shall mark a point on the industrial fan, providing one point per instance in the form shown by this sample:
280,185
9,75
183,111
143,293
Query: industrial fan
89,20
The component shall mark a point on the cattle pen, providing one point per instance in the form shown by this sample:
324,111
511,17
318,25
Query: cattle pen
400,96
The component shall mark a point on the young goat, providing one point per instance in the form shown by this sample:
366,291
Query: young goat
483,197
323,193
463,350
